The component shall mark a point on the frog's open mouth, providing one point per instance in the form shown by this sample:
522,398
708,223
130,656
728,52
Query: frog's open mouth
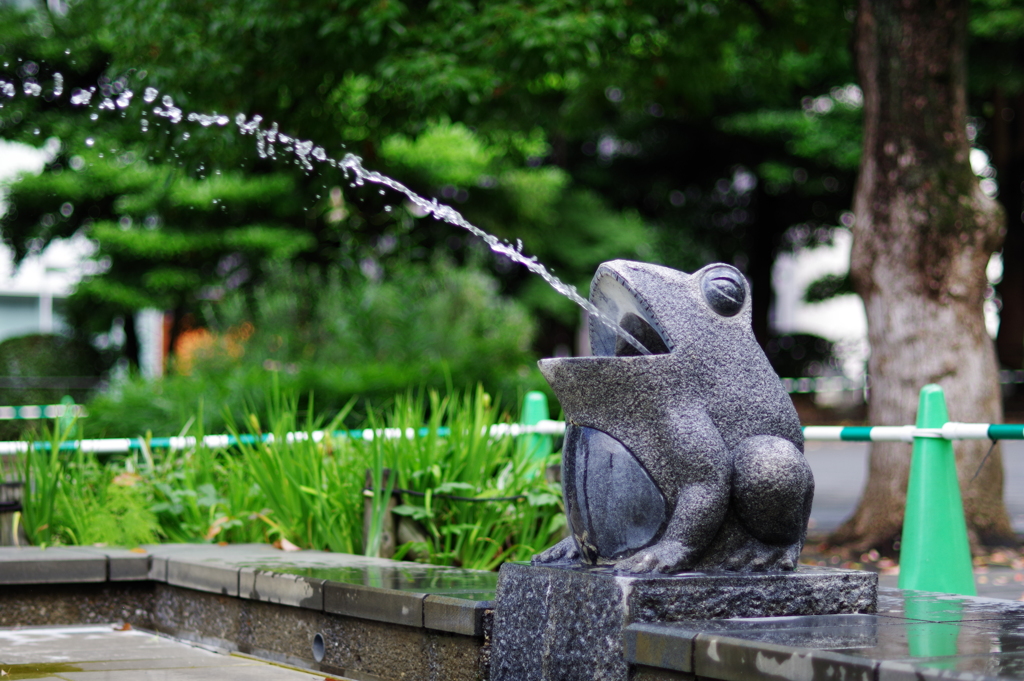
613,296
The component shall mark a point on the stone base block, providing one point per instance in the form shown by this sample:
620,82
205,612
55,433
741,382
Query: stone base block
565,621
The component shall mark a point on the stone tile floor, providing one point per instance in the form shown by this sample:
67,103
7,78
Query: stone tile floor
105,653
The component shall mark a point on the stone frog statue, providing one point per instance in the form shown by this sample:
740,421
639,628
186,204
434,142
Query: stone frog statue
690,458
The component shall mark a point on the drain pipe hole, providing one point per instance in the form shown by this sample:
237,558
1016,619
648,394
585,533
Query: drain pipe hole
319,647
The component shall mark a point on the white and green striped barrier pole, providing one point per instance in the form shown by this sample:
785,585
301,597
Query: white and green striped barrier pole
949,431
127,444
41,411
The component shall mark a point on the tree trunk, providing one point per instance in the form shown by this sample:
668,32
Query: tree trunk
132,347
923,236
177,328
1007,141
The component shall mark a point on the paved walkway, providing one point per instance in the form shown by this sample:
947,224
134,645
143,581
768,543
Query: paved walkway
840,471
103,653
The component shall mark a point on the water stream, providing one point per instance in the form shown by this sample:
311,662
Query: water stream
117,97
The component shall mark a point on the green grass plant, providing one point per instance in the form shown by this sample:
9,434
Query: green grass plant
466,498
71,498
203,494
310,490
508,510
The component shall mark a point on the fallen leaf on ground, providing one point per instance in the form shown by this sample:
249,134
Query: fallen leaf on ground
285,545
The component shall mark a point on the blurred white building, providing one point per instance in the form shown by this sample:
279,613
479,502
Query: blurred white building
841,319
32,296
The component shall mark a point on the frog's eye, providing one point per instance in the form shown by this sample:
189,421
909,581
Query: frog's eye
724,289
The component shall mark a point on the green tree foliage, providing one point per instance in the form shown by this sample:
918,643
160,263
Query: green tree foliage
336,335
996,91
43,369
170,188
729,127
48,356
164,240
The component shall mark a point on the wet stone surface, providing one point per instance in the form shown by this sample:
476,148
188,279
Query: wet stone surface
566,622
446,599
254,560
914,636
282,606
103,652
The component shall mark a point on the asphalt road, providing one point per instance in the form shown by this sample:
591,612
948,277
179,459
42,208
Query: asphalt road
840,470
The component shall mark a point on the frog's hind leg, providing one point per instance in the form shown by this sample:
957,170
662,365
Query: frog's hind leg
772,488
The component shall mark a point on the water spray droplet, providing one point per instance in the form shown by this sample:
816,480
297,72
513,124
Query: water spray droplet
206,120
80,97
58,85
168,111
149,95
94,116
352,164
32,88
89,141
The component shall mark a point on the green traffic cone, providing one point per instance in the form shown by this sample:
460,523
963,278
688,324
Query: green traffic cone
535,410
934,552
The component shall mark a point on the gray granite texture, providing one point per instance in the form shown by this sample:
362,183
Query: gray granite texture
915,636
566,622
690,457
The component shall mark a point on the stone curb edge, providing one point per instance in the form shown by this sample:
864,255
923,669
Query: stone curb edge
203,568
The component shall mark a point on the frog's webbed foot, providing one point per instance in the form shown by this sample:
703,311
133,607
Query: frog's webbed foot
757,556
564,551
665,556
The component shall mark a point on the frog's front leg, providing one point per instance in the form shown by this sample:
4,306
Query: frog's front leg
564,551
699,512
700,469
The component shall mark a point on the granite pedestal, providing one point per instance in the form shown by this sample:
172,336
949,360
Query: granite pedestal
566,622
